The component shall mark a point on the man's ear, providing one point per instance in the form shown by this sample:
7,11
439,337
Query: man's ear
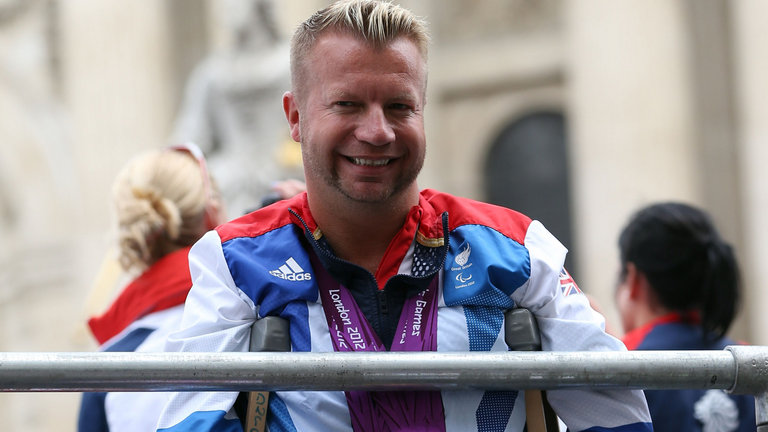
291,108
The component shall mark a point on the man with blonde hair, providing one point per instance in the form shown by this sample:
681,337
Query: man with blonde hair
365,261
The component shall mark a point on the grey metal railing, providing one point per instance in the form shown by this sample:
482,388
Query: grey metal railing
738,369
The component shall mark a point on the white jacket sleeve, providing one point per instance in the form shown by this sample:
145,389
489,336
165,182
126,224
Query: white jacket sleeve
217,318
568,323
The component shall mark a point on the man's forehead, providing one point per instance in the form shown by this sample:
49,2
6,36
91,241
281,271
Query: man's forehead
330,36
348,54
326,46
343,91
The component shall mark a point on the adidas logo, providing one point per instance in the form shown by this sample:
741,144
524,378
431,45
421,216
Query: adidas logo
291,271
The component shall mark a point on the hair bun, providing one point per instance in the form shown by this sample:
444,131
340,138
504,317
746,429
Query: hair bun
164,210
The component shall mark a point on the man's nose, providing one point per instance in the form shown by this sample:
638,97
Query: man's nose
375,128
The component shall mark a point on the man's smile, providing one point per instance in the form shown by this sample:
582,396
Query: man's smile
369,162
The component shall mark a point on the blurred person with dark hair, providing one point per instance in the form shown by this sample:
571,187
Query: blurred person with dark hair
164,201
679,289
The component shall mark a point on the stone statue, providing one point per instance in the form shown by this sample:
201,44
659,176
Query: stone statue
233,111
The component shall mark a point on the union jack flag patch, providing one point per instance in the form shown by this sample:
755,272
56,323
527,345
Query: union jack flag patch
567,284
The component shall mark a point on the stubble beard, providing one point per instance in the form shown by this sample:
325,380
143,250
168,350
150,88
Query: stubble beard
374,194
378,193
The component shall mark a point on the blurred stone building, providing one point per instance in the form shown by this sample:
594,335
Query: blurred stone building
576,112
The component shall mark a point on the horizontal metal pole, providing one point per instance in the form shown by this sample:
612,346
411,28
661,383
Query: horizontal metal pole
64,372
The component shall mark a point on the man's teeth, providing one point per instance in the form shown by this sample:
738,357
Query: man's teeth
370,162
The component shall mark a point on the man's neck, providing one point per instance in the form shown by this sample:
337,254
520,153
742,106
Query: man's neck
361,232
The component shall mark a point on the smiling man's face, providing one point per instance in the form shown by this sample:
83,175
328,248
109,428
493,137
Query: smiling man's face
360,118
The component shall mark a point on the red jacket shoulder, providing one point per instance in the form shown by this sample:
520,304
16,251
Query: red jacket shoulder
465,211
264,219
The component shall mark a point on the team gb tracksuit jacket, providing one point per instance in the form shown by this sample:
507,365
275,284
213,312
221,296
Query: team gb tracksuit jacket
443,285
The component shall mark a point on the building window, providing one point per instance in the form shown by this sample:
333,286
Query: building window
527,170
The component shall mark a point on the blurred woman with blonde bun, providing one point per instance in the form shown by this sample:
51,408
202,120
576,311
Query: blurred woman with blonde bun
164,201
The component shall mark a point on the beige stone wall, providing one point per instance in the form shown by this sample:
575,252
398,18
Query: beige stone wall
65,133
630,116
751,67
39,196
474,92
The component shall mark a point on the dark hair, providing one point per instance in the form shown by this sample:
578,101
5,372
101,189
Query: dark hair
686,262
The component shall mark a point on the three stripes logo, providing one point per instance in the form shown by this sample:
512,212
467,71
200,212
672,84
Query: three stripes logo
291,271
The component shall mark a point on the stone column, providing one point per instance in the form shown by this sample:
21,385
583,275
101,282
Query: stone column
751,70
124,105
630,122
119,91
115,102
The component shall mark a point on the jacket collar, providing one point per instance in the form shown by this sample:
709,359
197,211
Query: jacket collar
422,225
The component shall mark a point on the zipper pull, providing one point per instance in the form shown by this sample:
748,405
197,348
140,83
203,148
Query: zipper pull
382,297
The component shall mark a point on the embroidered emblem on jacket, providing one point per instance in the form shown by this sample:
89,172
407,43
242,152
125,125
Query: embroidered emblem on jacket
464,276
567,284
291,271
462,258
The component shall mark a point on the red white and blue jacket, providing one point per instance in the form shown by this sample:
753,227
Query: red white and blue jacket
486,259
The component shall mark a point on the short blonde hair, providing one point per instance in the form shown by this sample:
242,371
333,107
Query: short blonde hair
374,21
160,201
